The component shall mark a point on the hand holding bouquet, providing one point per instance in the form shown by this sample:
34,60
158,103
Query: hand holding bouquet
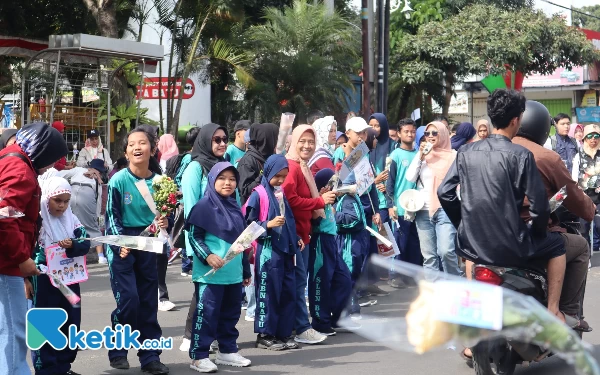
243,242
280,200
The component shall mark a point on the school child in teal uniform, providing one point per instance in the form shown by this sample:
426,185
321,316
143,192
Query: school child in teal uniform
214,223
236,150
275,275
329,282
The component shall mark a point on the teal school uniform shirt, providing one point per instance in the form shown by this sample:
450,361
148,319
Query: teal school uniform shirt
234,154
402,159
185,161
126,201
328,224
231,273
338,155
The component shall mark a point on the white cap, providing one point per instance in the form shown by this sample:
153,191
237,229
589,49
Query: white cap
357,124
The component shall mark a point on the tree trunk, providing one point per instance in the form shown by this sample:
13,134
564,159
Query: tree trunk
105,14
449,81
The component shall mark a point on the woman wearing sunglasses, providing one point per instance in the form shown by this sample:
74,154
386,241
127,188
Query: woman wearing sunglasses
586,171
209,149
428,169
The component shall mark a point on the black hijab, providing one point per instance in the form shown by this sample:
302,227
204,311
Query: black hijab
202,150
263,139
6,135
42,143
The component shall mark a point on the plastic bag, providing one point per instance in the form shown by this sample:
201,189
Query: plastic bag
444,310
243,242
8,212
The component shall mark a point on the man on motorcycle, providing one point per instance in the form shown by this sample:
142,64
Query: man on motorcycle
495,176
535,126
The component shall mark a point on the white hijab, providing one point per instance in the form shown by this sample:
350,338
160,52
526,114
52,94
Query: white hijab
56,229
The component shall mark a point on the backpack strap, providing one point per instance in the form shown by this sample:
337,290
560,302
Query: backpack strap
264,203
16,154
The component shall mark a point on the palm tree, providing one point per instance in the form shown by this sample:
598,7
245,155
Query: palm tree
303,58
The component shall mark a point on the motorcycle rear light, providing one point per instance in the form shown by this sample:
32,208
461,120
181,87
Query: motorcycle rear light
485,275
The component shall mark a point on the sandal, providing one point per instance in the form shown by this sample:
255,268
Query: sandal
576,324
468,360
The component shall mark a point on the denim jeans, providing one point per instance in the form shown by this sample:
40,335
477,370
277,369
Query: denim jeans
302,324
13,308
251,296
437,238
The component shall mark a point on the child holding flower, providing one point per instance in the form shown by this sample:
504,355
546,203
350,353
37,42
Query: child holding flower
213,225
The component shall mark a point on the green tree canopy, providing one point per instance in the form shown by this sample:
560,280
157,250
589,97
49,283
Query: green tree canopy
585,21
303,60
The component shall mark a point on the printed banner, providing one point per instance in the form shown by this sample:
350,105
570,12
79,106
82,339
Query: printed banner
68,270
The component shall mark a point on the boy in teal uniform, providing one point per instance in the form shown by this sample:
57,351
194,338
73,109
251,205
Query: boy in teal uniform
406,235
235,151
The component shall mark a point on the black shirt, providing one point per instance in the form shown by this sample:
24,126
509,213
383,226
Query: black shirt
495,176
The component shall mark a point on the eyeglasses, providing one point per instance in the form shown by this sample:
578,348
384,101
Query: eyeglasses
592,135
432,133
219,140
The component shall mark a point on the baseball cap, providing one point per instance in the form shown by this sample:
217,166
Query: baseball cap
357,124
241,125
98,164
93,133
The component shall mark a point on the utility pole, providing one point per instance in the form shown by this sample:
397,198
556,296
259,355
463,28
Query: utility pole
380,55
329,5
366,99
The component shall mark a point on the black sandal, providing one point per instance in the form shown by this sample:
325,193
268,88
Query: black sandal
576,324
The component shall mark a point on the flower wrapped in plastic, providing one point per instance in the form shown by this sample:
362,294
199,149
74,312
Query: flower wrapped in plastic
280,199
8,212
65,290
388,163
444,311
558,198
144,243
243,242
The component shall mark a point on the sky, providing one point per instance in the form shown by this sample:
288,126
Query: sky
575,3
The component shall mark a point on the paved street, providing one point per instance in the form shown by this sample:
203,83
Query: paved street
344,354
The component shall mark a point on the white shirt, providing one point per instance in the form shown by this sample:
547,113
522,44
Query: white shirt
418,168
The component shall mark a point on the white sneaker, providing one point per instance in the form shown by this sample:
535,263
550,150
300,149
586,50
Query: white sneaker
356,316
214,347
165,305
249,318
186,274
102,260
232,359
310,337
203,365
349,326
185,345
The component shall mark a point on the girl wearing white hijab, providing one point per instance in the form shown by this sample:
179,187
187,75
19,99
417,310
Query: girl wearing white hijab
325,130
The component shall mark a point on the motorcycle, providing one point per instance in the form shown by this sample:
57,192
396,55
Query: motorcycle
501,356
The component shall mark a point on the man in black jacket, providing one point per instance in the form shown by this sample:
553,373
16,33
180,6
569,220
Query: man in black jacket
495,176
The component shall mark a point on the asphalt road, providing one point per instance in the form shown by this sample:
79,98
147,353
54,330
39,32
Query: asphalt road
342,354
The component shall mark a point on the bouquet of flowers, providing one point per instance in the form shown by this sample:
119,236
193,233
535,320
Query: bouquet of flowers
388,163
8,212
285,128
243,242
65,290
558,198
280,199
165,194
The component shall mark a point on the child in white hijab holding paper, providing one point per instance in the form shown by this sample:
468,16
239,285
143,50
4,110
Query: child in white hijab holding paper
62,236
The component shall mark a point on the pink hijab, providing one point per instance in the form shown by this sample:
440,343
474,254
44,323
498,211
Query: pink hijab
292,154
572,129
439,161
167,147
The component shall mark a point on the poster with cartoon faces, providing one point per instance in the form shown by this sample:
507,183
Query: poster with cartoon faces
69,270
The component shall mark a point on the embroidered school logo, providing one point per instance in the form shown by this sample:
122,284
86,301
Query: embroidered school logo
127,198
43,326
405,163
